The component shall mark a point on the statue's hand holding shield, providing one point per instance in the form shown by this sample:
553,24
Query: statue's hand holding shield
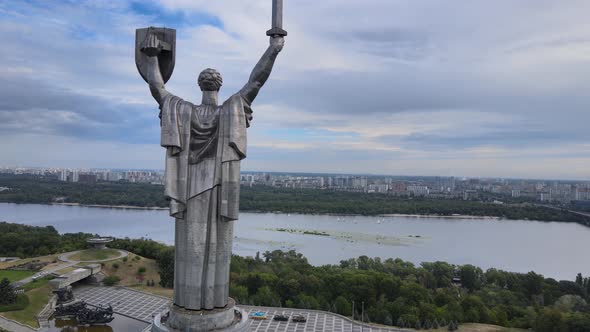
155,43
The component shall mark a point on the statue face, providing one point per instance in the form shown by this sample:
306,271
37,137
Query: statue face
210,80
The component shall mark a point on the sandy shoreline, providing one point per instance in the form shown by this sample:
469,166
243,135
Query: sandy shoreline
125,207
453,216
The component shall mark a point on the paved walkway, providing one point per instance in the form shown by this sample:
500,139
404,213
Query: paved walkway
142,306
14,326
66,257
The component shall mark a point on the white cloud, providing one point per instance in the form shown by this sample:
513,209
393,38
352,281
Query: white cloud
366,86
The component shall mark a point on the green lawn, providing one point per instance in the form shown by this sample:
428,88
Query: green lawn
15,275
36,283
89,255
38,298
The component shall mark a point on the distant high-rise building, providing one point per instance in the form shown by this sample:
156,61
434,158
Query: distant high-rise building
418,190
470,194
63,175
398,188
87,178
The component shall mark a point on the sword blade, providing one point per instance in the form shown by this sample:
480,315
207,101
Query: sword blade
277,14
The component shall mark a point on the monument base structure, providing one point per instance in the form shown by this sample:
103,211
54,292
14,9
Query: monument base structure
228,319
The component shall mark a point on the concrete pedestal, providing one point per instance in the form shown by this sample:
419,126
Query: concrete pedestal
228,319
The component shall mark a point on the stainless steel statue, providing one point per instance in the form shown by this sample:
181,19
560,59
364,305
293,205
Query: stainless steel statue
204,146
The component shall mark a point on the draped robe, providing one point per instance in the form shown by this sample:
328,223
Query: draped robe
204,145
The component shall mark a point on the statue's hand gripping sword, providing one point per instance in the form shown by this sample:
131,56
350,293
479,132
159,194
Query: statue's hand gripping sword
277,20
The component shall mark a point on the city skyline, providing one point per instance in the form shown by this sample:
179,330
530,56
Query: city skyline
558,192
421,88
28,169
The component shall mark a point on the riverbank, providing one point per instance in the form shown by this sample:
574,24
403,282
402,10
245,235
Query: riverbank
344,215
389,215
124,207
454,216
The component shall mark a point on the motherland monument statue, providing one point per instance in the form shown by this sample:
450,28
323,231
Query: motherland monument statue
204,146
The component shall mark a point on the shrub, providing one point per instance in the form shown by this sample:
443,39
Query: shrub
115,265
111,280
141,270
22,301
124,259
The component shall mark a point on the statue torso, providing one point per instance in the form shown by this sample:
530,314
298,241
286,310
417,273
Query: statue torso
204,135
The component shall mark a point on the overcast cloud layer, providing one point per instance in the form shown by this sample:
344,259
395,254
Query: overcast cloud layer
456,88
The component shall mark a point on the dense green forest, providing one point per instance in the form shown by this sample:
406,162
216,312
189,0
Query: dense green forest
30,241
394,292
27,189
37,190
267,199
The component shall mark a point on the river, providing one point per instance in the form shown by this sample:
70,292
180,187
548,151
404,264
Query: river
557,250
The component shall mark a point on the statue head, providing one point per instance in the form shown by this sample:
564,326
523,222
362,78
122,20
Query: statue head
210,80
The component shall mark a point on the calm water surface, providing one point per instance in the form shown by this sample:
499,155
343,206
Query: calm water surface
557,250
120,323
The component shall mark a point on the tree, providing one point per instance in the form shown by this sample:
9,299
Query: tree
549,320
111,280
471,277
400,322
343,306
239,293
165,262
388,321
453,326
533,283
435,324
7,294
265,297
570,303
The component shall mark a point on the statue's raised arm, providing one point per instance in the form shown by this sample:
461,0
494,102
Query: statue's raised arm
263,69
155,80
152,48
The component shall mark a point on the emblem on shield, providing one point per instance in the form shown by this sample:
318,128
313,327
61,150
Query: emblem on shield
160,42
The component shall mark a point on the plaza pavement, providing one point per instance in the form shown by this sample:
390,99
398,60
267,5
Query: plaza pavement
125,301
142,306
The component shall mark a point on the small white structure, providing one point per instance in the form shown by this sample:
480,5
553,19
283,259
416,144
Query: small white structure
99,242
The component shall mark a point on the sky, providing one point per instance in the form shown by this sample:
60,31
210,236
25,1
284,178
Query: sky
400,87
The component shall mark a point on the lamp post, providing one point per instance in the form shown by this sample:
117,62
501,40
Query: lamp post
362,315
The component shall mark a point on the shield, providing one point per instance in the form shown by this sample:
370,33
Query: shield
166,46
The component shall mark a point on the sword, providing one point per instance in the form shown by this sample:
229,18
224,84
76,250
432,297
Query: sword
277,20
